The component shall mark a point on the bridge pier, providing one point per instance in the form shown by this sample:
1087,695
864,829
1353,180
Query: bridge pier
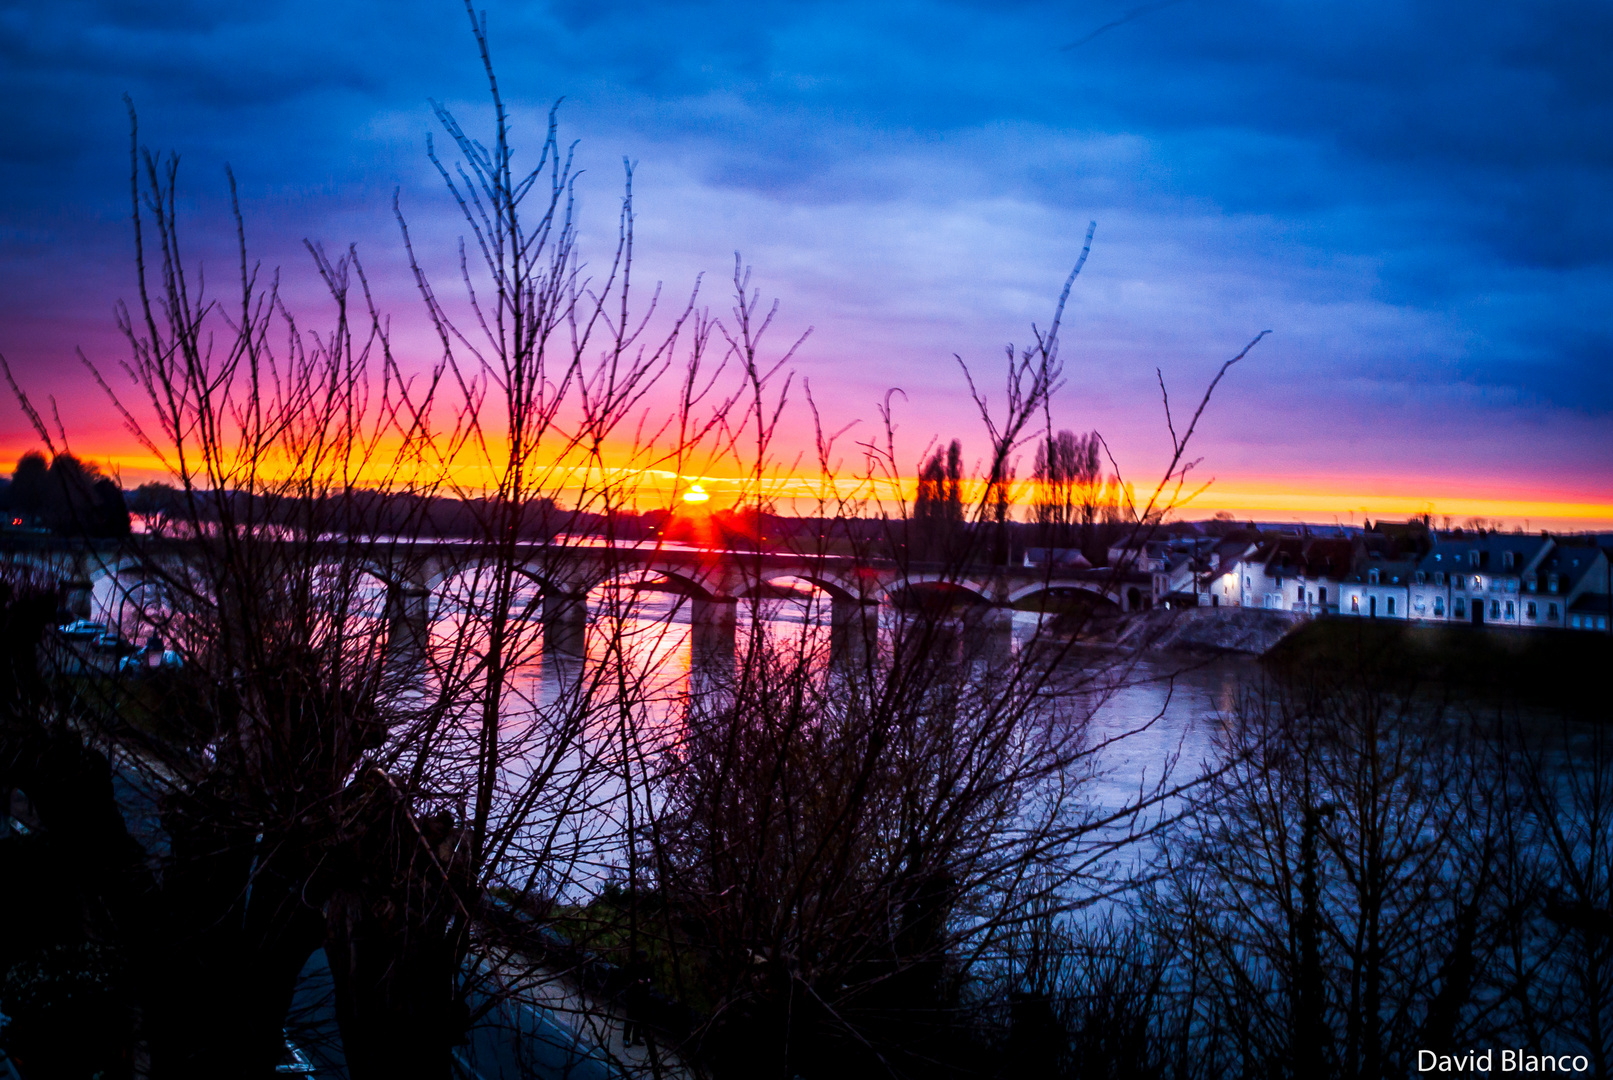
713,629
996,628
853,631
565,624
408,622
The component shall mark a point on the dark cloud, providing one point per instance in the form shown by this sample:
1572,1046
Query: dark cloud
1413,192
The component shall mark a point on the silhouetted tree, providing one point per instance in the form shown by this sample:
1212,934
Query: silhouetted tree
1069,488
938,502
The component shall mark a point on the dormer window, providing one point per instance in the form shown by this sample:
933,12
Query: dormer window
1372,576
1421,577
1472,558
1439,577
1506,560
1531,583
1551,583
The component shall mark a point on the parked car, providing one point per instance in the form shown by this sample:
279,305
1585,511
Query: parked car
83,630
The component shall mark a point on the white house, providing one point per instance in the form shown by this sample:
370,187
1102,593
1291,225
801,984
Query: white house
1294,573
1378,588
1487,578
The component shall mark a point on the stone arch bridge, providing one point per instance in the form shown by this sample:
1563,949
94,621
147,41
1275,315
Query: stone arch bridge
564,572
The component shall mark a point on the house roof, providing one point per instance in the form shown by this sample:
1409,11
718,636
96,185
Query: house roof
1293,556
1390,571
1591,604
1453,555
1571,562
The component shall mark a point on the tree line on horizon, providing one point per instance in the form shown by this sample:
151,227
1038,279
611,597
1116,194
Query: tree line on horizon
1072,504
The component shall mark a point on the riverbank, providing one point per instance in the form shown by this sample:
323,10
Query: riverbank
1241,631
1556,668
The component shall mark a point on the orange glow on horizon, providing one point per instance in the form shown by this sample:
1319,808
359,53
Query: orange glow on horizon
1315,498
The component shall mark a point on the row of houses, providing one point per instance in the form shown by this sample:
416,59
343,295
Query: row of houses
1395,571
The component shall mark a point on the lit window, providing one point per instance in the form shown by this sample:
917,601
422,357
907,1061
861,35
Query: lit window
1355,605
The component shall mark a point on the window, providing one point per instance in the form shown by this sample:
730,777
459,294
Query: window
1420,578
1551,583
1460,611
1472,558
1355,604
1458,581
1301,592
1439,577
1530,610
1511,611
1247,584
1495,609
1372,575
1391,605
1531,583
1551,612
1439,607
1321,595
1507,558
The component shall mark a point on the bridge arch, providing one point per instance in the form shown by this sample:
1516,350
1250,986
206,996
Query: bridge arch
679,581
935,584
835,590
1055,588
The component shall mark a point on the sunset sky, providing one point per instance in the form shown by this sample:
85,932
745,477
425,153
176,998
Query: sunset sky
1413,197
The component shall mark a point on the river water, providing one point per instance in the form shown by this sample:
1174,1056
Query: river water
1154,712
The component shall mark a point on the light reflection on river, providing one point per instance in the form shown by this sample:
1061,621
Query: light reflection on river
1165,707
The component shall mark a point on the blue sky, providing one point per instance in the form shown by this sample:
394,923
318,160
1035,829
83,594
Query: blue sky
1413,197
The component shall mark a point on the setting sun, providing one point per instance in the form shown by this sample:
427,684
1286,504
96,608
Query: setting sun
696,494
